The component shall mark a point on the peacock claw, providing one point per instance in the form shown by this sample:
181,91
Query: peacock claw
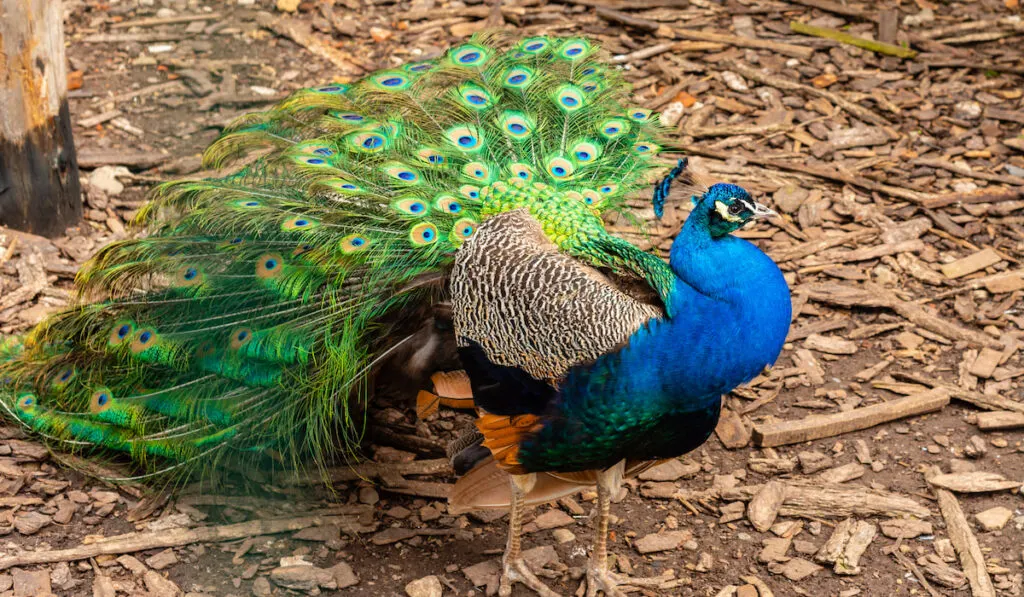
607,582
517,571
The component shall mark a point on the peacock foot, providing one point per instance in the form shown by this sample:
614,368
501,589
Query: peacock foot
608,582
517,571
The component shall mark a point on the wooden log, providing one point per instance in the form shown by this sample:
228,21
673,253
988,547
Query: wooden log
813,499
819,426
39,188
1000,420
964,542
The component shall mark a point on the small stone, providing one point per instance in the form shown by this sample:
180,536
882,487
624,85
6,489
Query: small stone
104,497
732,512
734,81
428,586
484,574
429,513
705,561
162,560
6,582
104,179
789,198
322,534
563,535
61,575
158,586
288,5
656,542
380,34
805,547
30,523
795,569
549,520
302,578
975,447
78,497
392,535
994,519
261,587
65,511
671,470
132,564
906,528
967,110
343,574
368,495
774,550
30,583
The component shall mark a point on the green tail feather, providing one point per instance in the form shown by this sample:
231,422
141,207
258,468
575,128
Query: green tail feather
251,314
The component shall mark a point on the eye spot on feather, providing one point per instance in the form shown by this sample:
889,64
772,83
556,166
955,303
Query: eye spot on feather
640,114
410,207
423,234
302,250
353,117
608,189
462,230
188,276
469,191
421,67
27,402
518,77
240,337
469,55
331,89
101,400
465,138
560,168
66,375
299,223
144,338
368,142
269,265
249,204
324,151
121,331
354,243
592,197
205,349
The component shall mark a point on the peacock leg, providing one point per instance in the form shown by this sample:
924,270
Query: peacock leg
599,577
514,566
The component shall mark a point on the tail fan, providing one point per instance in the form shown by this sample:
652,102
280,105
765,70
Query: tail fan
248,319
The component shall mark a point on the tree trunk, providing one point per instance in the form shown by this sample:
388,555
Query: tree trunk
39,189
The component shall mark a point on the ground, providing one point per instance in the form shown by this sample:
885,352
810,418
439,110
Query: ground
901,187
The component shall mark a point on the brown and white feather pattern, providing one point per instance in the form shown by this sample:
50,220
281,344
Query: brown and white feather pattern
529,306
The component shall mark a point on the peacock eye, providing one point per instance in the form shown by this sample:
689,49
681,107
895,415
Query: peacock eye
736,208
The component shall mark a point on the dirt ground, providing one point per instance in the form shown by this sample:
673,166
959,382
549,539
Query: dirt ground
901,185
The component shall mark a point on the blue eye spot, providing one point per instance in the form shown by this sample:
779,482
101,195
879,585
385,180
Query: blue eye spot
569,101
517,128
469,57
29,402
314,161
606,189
373,142
190,273
454,207
123,330
391,82
516,79
467,231
474,194
352,117
358,242
642,148
582,155
252,203
419,68
558,171
236,240
589,71
611,130
476,99
242,335
406,175
66,375
535,46
301,223
524,174
573,51
428,234
349,187
323,151
589,200
466,140
435,159
329,89
478,173
270,264
145,337
416,208
639,115
102,399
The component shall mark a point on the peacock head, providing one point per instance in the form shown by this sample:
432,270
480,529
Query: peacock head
729,207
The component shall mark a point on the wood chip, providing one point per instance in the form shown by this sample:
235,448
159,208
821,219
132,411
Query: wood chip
764,507
974,482
971,263
966,544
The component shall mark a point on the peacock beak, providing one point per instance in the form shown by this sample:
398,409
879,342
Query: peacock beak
763,211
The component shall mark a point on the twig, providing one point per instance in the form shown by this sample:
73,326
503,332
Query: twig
745,42
132,542
155,21
966,544
846,38
965,170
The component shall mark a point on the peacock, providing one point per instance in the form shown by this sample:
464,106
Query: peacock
248,323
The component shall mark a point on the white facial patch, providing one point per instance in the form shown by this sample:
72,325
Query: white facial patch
723,210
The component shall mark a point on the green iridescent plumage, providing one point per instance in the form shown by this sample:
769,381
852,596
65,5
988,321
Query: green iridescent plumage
249,316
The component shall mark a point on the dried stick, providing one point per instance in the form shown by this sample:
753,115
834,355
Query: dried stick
966,544
846,38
